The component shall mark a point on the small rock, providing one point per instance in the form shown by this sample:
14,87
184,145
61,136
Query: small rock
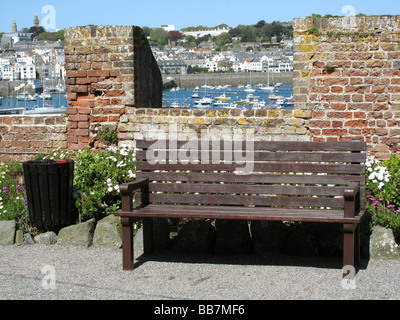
28,240
47,238
19,237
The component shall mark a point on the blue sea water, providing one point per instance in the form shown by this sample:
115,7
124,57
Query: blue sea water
57,101
184,97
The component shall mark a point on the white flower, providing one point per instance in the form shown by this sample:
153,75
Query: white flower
121,164
381,185
131,174
116,188
110,189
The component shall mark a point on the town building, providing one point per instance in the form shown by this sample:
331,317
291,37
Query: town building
202,33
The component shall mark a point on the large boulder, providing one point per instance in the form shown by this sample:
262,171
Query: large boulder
383,245
196,236
80,235
108,233
7,232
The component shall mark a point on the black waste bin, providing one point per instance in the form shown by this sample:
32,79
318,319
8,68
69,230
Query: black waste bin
49,190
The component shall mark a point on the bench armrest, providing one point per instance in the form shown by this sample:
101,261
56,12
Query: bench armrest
127,190
352,200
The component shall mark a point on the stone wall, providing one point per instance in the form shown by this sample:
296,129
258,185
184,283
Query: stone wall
347,71
346,86
109,68
21,137
270,125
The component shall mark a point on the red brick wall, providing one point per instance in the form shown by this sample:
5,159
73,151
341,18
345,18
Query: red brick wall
348,72
102,83
22,137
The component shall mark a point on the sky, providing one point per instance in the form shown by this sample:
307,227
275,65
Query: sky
60,14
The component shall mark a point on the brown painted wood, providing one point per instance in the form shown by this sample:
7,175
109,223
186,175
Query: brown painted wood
209,156
290,181
257,167
257,145
250,178
240,213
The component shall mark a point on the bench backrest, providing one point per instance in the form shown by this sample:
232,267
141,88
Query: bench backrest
282,174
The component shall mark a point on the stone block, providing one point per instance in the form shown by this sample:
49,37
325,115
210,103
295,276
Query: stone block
7,232
108,233
80,235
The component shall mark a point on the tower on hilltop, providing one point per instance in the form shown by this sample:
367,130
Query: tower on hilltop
14,27
36,22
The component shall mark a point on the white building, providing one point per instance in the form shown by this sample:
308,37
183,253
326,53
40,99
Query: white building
168,28
9,73
202,33
210,65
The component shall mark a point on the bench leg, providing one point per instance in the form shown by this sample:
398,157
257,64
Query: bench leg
148,241
351,245
357,244
127,244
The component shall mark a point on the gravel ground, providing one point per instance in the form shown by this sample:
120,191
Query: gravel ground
96,274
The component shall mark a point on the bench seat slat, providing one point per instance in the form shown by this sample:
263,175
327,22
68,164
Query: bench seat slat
243,200
259,145
256,167
246,189
239,213
250,178
256,156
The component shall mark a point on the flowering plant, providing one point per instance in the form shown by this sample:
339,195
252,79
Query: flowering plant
13,201
383,179
98,177
383,199
383,214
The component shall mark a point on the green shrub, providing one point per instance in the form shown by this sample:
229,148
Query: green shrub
12,193
97,180
383,193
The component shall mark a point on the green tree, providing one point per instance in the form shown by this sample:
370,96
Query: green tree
223,39
159,36
247,35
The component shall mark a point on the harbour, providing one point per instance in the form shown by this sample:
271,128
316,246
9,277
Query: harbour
227,97
54,103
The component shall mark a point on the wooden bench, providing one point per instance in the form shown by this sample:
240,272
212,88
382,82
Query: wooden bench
289,181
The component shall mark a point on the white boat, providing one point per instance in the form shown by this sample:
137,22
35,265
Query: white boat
267,88
279,85
280,102
46,110
46,96
223,97
231,106
25,96
249,90
273,97
195,96
204,103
